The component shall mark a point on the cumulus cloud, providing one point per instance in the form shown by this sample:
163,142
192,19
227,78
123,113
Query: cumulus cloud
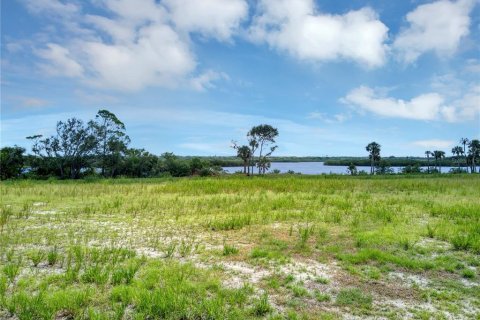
298,29
59,61
423,107
427,106
437,27
216,18
139,43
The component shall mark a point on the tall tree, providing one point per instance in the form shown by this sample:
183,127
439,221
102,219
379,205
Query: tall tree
428,154
438,155
457,151
70,147
261,137
112,141
244,153
11,162
374,154
464,142
474,153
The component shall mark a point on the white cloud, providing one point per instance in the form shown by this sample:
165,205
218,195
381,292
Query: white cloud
437,27
206,80
423,107
51,7
463,106
216,18
59,62
158,57
296,28
433,144
140,44
336,118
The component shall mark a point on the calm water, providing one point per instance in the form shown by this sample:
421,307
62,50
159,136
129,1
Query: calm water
314,168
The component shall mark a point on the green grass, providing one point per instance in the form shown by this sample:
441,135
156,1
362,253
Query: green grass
186,248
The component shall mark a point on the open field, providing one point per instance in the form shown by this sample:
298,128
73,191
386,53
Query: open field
274,247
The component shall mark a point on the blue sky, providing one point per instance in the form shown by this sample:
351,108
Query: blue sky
189,76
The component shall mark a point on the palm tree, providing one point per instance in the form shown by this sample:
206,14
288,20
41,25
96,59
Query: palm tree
438,155
245,154
428,154
465,141
457,152
374,149
474,153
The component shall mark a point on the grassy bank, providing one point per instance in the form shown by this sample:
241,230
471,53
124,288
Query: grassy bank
276,247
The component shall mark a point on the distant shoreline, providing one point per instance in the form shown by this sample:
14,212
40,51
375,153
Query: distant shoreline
224,161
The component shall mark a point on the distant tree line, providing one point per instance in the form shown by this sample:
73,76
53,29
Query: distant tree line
97,148
466,157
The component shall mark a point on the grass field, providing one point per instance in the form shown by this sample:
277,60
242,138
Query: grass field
274,247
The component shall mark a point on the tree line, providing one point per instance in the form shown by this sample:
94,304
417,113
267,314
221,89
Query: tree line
466,156
99,147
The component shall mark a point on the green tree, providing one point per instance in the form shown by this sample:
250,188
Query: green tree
457,152
428,154
262,137
244,153
374,154
464,142
352,169
112,141
139,163
474,153
70,148
11,162
438,156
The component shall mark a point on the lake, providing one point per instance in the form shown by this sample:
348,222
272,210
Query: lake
315,168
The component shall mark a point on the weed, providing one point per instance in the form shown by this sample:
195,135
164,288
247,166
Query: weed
36,256
170,249
322,297
229,249
11,270
469,274
261,306
354,298
322,280
52,256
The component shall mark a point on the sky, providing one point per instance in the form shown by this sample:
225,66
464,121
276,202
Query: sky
189,76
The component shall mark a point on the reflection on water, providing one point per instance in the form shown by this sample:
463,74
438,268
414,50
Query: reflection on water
315,168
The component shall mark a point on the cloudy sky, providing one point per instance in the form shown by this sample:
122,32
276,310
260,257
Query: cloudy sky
189,76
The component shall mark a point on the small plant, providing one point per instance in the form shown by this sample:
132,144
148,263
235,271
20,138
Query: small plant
406,243
261,307
354,298
430,231
170,249
461,242
229,249
468,273
304,234
36,257
299,290
11,270
186,247
5,213
322,280
52,256
125,274
322,297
